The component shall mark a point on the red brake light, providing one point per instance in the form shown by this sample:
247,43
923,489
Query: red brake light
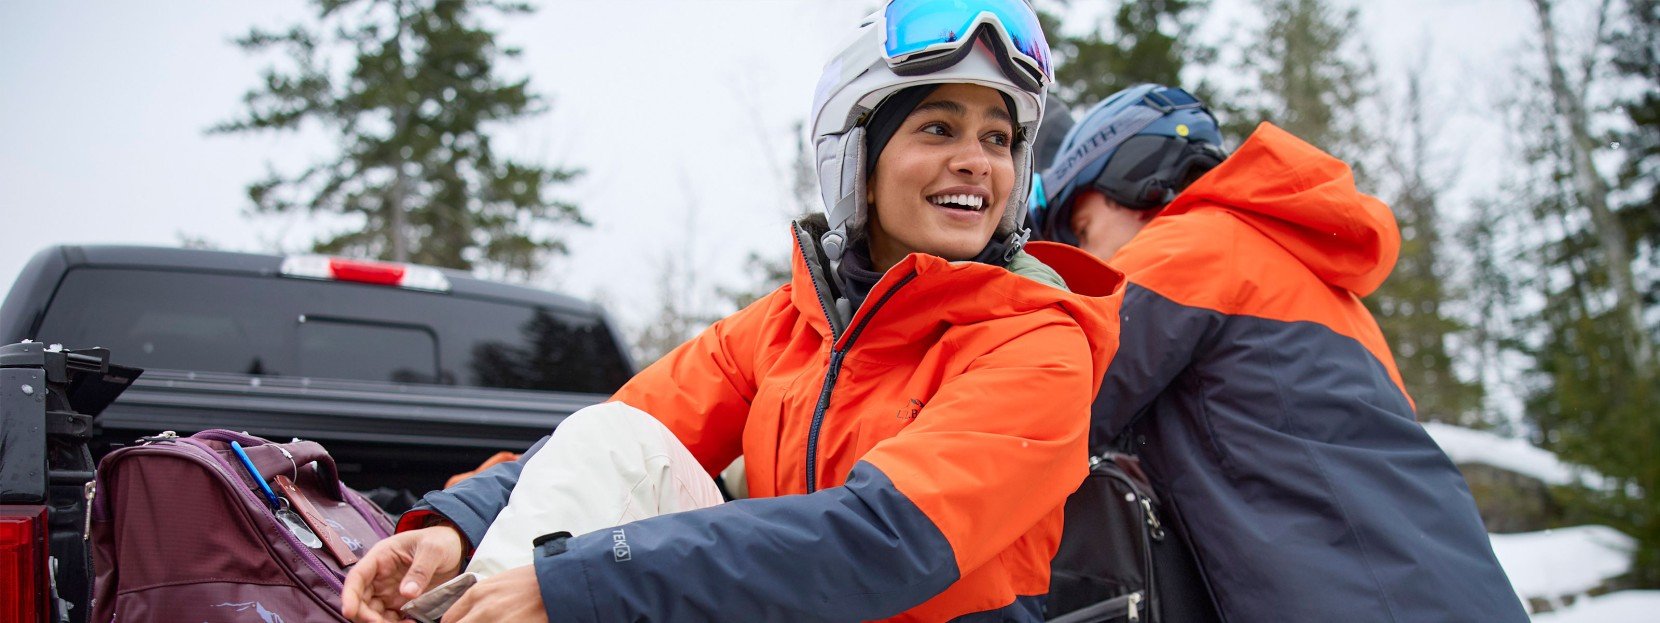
366,272
407,276
24,583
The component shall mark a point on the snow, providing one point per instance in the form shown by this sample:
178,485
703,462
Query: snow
1564,561
1466,446
1621,607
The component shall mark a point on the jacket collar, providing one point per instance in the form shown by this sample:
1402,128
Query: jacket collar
922,293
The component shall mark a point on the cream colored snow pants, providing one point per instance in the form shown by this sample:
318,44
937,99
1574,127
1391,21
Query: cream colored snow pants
604,466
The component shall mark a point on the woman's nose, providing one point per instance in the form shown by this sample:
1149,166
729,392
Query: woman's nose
971,159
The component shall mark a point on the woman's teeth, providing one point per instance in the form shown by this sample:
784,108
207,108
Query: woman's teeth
960,202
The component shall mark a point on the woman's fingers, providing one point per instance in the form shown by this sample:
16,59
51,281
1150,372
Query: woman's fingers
435,549
397,570
370,593
356,589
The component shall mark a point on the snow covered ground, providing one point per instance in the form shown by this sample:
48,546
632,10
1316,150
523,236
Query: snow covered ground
1621,607
1558,565
1565,561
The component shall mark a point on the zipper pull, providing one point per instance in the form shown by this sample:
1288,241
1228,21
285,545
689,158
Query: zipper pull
1152,519
1135,606
88,492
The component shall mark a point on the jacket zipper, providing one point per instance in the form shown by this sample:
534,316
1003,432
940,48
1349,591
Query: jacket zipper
833,371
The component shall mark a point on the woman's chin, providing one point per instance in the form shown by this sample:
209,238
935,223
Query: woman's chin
957,249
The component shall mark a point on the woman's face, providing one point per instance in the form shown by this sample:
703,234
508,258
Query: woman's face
943,181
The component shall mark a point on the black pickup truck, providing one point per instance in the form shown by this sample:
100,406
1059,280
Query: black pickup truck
407,374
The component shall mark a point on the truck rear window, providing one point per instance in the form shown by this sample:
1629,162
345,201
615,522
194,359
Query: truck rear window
289,327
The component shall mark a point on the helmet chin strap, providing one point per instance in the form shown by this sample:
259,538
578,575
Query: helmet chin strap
1015,242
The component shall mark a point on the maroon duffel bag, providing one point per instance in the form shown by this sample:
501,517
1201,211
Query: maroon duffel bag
182,530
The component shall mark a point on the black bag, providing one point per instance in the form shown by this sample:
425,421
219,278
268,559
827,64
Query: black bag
1119,559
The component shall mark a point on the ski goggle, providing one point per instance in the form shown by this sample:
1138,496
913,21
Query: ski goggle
924,36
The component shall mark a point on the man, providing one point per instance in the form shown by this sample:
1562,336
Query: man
1250,379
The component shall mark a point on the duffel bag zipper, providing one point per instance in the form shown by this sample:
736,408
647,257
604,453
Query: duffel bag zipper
311,558
1120,608
88,492
219,434
368,515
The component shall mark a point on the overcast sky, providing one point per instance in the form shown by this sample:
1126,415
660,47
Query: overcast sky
680,112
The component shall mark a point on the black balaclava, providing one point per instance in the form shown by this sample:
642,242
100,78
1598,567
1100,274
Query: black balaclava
889,115
856,271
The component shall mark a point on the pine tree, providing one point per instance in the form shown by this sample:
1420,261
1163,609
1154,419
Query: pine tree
1636,58
1491,288
1411,305
1310,76
1599,389
1146,41
1590,188
416,162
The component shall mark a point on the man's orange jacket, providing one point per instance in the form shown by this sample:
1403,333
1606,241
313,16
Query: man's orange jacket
910,463
1262,397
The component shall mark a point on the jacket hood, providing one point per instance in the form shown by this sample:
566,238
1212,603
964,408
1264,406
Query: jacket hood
1305,200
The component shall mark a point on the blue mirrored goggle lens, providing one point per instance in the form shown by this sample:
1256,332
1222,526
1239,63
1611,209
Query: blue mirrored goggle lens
916,25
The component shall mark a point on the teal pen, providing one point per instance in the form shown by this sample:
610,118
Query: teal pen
270,496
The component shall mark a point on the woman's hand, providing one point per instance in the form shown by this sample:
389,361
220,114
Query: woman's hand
399,569
512,595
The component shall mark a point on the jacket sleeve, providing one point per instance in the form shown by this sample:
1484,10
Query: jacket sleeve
472,504
1159,336
998,448
701,391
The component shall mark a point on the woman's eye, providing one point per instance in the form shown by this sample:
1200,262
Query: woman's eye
998,138
937,129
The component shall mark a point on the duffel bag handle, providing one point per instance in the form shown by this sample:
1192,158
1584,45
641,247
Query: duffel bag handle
274,458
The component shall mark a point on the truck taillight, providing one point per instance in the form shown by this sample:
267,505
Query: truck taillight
24,580
365,271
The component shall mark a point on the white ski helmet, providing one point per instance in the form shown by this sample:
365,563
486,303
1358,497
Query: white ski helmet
992,43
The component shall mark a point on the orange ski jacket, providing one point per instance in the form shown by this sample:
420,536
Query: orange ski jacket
1264,400
910,463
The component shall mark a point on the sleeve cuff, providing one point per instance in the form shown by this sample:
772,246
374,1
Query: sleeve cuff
563,581
416,518
458,514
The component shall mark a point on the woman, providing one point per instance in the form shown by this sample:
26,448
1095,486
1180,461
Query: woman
912,407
